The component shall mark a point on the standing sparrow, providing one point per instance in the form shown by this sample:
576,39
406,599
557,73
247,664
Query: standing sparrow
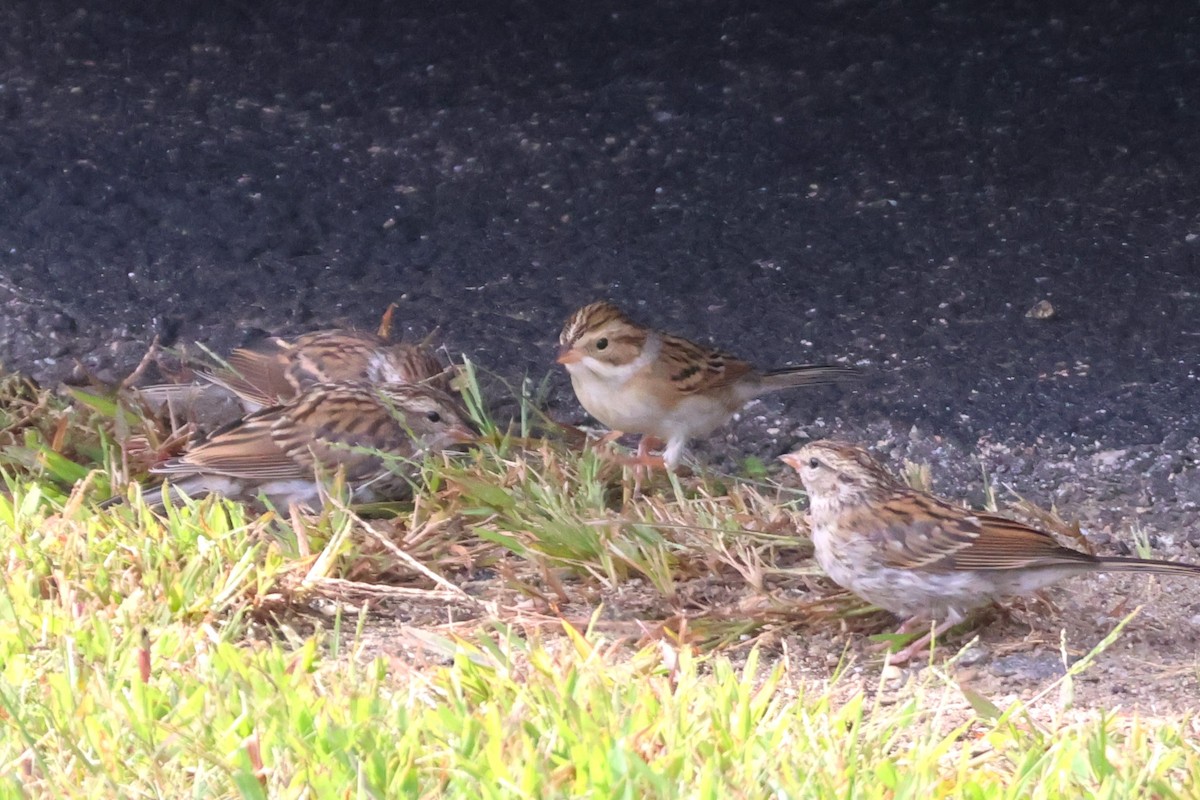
372,432
638,380
921,557
277,370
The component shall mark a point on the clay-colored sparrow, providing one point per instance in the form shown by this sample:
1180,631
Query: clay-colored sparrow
372,432
277,370
923,558
637,380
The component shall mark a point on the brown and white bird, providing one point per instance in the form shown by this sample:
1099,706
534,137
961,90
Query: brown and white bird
921,557
278,370
637,380
372,432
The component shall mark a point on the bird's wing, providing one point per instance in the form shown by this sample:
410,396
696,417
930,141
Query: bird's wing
917,531
245,449
350,425
258,375
694,368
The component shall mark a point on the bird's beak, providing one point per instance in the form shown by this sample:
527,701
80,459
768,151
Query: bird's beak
792,460
568,355
462,435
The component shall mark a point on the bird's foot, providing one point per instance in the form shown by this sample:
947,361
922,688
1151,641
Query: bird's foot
918,646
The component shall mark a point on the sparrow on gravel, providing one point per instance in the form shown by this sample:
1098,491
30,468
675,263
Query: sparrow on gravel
372,432
921,557
637,380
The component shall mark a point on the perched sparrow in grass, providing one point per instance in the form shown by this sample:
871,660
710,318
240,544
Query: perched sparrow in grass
370,431
921,557
278,370
637,380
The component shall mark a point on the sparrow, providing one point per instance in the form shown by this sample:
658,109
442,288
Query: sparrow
637,380
277,370
921,557
372,432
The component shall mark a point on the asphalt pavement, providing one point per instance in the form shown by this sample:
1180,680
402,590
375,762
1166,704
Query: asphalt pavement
992,208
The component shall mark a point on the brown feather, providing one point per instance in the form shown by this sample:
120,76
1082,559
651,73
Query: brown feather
693,368
919,531
245,449
807,375
356,426
277,370
589,318
258,375
349,429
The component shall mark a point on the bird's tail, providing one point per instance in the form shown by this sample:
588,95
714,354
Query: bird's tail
184,394
1150,565
807,375
150,495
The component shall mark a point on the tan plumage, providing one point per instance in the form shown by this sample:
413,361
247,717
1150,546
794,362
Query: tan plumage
277,370
637,380
283,452
921,557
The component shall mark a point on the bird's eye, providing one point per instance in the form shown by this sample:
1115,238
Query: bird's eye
601,343
814,463
433,416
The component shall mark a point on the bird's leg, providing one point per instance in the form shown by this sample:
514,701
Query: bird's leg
909,625
608,438
921,644
643,453
643,457
643,462
604,441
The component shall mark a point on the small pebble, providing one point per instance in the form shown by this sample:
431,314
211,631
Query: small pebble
973,656
1042,309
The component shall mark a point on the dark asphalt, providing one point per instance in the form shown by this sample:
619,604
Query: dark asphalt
893,184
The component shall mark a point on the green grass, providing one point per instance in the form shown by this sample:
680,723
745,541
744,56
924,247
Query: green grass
214,651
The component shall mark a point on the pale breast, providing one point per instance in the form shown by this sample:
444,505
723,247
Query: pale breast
622,408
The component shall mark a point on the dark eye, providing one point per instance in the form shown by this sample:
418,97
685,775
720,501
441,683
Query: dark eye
601,343
433,416
814,463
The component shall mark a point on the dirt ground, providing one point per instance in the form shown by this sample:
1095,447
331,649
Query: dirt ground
990,210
